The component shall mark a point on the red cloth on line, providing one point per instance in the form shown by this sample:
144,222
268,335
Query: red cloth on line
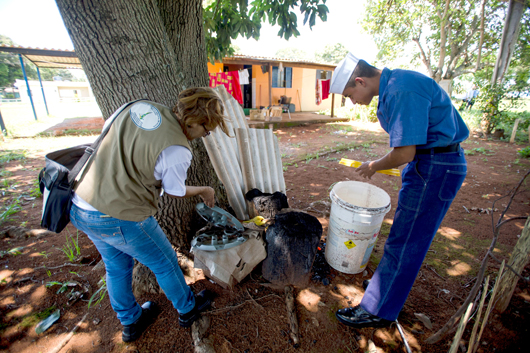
325,88
231,82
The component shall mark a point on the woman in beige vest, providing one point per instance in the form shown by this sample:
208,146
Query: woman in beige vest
145,151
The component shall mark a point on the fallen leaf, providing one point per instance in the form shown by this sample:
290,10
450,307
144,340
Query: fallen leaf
424,319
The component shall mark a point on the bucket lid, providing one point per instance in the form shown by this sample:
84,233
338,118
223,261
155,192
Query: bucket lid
218,217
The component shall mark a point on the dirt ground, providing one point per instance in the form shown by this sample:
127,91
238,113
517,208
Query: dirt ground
252,317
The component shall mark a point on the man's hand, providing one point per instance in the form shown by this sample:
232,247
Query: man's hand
366,170
395,158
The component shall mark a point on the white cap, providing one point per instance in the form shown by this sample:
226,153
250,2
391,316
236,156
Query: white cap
342,73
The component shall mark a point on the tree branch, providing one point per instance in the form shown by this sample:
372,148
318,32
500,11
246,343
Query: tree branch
445,27
483,6
426,60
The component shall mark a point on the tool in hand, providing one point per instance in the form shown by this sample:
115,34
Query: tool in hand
357,164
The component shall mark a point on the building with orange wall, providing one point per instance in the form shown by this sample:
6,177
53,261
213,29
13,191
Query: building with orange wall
271,78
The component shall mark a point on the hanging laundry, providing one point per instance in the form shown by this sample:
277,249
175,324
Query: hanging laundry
243,77
231,82
318,93
325,88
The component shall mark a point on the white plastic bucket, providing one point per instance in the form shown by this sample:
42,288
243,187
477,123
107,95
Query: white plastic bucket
357,212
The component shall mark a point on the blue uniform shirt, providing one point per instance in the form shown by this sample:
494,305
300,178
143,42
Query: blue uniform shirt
414,110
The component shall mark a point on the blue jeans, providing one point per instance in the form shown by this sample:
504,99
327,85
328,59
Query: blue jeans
429,185
119,243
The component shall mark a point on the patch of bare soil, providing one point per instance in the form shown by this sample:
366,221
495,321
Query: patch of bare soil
252,317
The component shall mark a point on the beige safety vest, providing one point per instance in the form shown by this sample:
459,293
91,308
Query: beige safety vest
119,181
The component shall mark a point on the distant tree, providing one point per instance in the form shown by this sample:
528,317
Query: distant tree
10,69
446,36
332,53
292,53
225,20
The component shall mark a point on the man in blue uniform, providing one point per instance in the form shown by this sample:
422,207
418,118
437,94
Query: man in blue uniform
425,131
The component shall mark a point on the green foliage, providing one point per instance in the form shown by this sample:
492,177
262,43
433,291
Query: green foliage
63,286
495,101
12,252
332,53
442,35
525,152
71,247
8,210
101,292
480,150
35,189
33,319
225,20
11,155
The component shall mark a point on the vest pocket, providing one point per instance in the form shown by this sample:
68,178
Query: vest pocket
451,184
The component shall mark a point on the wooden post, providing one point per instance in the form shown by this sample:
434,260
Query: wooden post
270,85
332,104
517,261
514,131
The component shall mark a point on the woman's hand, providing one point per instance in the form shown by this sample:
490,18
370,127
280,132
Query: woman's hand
208,196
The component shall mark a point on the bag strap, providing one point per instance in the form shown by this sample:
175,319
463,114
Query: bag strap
89,151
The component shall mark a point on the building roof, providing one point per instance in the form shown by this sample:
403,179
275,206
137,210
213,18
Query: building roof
46,58
67,59
239,59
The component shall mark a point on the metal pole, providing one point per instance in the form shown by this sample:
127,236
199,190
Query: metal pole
2,125
27,85
42,89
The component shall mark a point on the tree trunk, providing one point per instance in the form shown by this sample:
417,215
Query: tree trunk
518,261
132,49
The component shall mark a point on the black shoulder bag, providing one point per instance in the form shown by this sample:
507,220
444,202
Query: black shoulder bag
57,179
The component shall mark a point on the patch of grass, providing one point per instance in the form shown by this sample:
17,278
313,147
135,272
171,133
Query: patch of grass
9,210
465,248
525,152
100,292
13,252
33,319
63,286
5,173
385,228
480,150
35,189
14,155
71,248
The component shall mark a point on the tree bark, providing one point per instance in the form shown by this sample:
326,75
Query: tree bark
518,261
132,49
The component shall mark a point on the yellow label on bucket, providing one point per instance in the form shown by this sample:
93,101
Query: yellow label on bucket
350,244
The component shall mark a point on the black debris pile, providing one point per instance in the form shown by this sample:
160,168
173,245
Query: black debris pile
321,268
267,205
292,242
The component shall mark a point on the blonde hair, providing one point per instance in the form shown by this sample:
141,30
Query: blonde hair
201,105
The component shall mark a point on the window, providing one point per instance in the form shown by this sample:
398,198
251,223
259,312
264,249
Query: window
283,78
323,75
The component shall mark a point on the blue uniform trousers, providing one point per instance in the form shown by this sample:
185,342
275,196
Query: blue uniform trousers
429,185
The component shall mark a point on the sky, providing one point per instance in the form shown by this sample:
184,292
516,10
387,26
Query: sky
38,24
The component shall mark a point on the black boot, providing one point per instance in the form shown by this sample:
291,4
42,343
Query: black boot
202,302
133,331
358,317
